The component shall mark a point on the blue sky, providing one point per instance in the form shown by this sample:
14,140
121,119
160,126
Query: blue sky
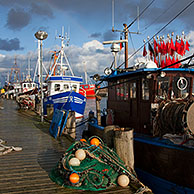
90,23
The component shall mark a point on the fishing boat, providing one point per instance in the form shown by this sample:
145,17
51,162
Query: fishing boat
63,89
156,100
88,87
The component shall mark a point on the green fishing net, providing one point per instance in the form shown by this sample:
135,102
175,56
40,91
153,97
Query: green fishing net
99,170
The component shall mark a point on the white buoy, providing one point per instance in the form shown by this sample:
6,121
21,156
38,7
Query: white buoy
80,154
74,162
123,180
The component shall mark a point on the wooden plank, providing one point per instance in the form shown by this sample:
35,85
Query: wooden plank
27,171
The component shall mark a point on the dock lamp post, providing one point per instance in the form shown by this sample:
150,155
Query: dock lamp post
41,35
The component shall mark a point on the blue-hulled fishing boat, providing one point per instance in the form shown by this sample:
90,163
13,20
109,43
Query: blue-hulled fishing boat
63,89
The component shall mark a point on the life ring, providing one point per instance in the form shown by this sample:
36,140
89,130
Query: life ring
182,83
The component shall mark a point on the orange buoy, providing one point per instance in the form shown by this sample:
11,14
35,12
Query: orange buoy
95,141
74,178
83,140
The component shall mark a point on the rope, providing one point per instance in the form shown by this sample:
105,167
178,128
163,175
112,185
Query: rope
7,149
98,171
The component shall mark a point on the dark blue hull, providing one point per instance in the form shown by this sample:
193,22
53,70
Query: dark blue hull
72,101
161,186
161,165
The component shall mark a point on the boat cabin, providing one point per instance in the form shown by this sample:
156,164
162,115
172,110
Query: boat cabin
27,86
58,84
134,96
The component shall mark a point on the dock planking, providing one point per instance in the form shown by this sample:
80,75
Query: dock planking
27,171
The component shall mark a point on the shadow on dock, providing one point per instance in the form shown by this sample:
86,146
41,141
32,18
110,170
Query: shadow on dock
27,171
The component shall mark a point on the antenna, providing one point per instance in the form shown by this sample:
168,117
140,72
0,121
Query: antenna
113,7
137,19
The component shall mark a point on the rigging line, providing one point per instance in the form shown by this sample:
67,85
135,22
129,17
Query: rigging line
147,26
158,32
146,73
140,14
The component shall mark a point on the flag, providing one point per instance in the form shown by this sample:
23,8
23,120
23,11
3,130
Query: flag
155,48
178,64
172,47
121,44
164,48
187,46
182,49
155,61
144,51
162,64
150,49
159,48
168,62
168,49
173,61
177,47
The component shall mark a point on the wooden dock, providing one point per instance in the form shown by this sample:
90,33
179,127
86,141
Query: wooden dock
27,171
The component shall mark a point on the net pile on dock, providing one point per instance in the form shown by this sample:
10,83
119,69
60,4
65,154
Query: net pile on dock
91,165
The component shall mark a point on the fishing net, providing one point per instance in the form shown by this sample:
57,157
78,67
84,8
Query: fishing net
97,170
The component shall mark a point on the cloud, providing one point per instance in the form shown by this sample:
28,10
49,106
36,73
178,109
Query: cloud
96,35
9,45
109,35
41,9
17,19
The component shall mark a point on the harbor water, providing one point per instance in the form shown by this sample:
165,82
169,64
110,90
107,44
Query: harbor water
90,106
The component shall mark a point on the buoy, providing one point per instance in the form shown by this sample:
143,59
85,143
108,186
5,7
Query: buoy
83,140
74,162
74,178
80,154
95,141
123,180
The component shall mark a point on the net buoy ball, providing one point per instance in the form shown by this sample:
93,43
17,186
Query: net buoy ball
74,162
80,154
83,140
95,141
74,178
123,180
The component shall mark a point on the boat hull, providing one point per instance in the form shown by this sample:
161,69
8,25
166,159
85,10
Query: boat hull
162,166
72,101
89,89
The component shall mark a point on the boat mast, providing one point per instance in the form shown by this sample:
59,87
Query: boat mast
61,55
126,45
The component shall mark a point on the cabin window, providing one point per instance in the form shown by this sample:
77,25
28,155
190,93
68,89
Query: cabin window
74,88
86,87
66,87
180,87
57,87
145,89
162,85
118,90
126,90
24,85
121,91
132,90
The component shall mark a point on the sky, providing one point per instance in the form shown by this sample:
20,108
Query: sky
88,23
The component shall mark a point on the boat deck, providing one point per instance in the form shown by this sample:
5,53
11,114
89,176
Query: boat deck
27,171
